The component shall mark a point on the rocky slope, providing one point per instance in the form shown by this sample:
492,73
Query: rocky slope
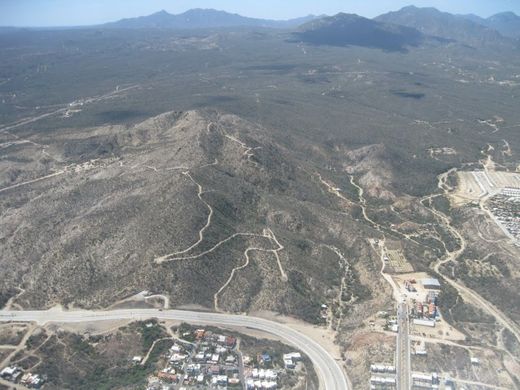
173,205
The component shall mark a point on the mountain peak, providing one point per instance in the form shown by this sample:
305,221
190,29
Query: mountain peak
505,16
161,13
351,29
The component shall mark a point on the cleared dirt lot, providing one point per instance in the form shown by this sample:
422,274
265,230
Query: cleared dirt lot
476,184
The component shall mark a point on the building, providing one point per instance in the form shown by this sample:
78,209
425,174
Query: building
230,359
431,284
289,364
475,361
266,358
167,376
382,368
422,322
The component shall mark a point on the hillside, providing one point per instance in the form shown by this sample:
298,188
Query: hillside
172,205
348,29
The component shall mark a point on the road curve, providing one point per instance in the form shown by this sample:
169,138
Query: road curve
330,374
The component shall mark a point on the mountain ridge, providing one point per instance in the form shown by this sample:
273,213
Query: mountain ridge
203,18
431,21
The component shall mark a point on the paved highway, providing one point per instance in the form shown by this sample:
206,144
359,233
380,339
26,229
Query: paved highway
403,348
330,374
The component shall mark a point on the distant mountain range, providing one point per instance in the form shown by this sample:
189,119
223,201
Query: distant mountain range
391,31
506,23
433,22
204,18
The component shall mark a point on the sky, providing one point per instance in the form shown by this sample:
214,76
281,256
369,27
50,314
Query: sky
85,12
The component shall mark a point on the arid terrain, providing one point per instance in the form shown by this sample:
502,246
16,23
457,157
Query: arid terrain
320,188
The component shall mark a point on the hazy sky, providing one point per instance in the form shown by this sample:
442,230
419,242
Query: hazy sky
81,12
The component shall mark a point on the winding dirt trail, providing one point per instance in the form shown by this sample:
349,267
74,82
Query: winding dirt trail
362,202
172,257
345,267
231,276
268,233
147,356
248,150
200,191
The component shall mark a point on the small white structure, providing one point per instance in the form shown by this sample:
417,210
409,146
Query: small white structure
175,348
137,359
230,359
290,359
383,368
475,361
270,375
422,322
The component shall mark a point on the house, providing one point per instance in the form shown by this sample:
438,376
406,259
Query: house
33,381
222,380
290,359
265,358
231,342
176,358
9,372
193,369
167,376
175,348
214,370
220,350
199,357
270,375
230,359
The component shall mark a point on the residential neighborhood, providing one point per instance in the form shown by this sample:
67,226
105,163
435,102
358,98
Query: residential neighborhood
203,358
